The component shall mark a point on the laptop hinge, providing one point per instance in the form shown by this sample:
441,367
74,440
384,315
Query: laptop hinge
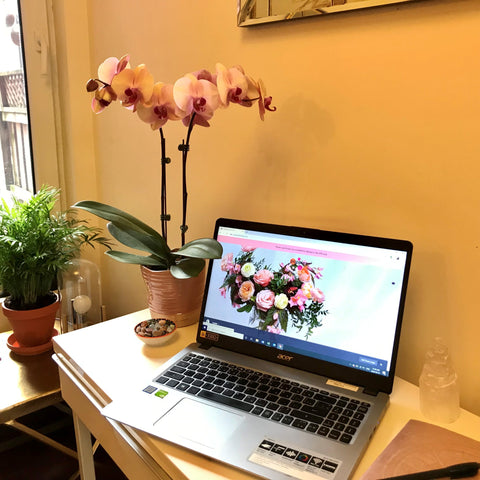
205,346
373,393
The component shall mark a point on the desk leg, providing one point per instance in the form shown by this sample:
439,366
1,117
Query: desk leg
84,449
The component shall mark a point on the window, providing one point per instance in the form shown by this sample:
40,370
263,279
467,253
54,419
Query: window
40,138
16,166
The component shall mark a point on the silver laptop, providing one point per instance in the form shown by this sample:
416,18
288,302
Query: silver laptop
295,354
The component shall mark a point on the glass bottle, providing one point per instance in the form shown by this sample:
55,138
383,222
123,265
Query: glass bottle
439,392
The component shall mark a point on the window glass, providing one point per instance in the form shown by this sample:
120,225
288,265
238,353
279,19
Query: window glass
16,166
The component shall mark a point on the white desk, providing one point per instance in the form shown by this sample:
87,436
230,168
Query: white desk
97,363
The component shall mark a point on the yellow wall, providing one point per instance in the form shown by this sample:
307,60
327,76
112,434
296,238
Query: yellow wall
377,132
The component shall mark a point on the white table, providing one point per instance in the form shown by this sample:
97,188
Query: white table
96,365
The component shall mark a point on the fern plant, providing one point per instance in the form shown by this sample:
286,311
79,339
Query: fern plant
36,244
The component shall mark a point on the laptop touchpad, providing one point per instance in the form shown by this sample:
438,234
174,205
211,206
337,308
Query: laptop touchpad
199,423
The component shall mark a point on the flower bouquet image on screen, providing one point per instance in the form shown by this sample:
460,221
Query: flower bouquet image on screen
278,297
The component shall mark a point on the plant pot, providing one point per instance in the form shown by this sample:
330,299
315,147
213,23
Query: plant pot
32,328
172,298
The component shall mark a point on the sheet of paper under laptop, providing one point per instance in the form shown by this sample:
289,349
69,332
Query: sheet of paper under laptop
295,353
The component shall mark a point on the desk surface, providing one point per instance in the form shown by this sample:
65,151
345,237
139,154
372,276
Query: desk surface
107,357
27,383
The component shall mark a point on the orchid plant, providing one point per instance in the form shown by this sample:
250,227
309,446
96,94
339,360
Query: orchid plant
192,99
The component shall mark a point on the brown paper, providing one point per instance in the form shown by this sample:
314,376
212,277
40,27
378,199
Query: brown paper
422,446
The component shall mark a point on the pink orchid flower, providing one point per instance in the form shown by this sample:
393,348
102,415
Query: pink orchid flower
257,91
112,66
133,86
194,96
204,74
105,94
160,108
232,84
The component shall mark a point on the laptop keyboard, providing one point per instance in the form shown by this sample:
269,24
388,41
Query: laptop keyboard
318,411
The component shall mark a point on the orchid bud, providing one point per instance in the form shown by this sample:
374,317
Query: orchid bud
92,85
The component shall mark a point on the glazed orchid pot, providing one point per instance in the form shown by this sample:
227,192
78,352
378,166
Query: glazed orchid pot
175,299
35,327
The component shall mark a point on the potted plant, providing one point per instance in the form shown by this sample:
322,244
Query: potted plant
36,245
172,277
193,99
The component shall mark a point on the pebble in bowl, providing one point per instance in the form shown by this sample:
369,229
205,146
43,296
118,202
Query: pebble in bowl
156,331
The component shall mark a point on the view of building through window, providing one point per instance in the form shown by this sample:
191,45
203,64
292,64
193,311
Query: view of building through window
16,166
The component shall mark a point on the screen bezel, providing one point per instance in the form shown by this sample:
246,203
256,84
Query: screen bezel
371,382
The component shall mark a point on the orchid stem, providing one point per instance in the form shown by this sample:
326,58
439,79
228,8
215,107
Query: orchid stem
164,217
185,147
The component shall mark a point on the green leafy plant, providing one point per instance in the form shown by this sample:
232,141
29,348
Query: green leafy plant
184,262
36,244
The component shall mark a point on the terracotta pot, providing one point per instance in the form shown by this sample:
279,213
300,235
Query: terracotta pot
33,327
172,298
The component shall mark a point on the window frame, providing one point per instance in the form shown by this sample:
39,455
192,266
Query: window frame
41,77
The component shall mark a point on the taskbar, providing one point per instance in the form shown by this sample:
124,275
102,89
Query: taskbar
294,345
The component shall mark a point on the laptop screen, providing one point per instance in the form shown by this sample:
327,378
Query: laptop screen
328,296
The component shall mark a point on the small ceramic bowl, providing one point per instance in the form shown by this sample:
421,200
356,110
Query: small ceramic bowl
156,331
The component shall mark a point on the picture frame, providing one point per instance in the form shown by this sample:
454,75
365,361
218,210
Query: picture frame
254,12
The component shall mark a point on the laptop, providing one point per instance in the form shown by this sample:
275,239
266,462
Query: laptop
295,353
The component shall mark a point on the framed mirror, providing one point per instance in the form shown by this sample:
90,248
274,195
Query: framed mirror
253,12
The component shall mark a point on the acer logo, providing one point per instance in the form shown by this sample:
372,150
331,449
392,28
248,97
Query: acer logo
286,358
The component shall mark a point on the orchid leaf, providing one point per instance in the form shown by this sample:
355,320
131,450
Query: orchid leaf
119,217
201,248
135,234
187,267
125,257
140,241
